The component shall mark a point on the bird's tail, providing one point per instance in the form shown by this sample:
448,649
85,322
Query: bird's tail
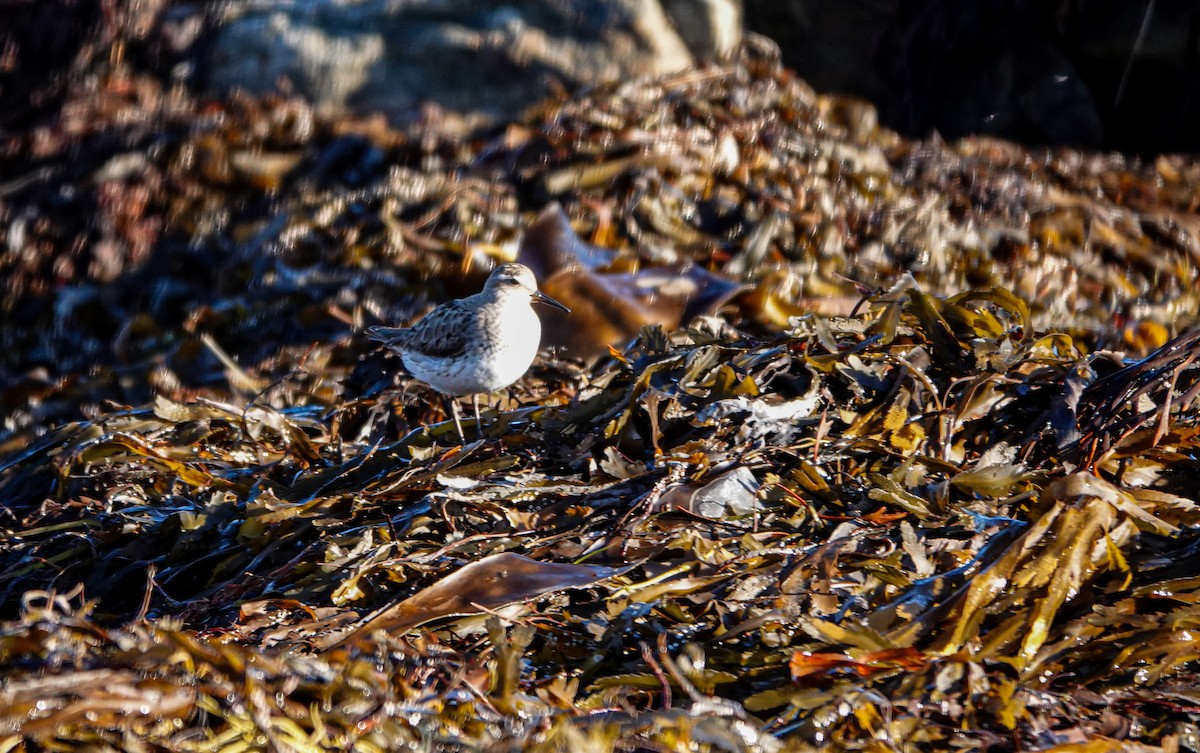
390,336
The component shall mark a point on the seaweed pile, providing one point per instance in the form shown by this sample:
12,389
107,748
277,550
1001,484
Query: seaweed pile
902,491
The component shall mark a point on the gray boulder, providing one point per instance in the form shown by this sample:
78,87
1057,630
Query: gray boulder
484,58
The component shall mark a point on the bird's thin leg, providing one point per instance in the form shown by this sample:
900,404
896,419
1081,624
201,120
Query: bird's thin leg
457,421
478,423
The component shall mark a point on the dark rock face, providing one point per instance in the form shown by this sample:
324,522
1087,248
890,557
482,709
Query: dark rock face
1107,74
983,67
1140,61
493,60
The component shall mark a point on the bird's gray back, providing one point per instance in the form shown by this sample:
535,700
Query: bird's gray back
445,332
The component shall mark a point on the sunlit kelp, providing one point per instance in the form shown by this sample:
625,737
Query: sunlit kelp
913,544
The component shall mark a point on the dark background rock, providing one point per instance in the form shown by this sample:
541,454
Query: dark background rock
1063,73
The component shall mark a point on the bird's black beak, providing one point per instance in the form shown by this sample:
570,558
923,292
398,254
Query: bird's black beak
541,297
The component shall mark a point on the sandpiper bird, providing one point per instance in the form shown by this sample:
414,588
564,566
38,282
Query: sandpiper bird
477,344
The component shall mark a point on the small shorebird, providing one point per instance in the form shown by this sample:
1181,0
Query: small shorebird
480,343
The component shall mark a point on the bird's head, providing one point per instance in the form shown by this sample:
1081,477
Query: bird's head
518,280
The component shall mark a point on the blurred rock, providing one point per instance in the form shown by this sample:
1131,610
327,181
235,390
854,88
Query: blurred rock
1140,62
1113,74
712,29
493,60
989,67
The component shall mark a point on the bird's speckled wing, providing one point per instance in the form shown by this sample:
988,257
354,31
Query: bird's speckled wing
442,333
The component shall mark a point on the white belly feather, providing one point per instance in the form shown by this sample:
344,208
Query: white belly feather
496,357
